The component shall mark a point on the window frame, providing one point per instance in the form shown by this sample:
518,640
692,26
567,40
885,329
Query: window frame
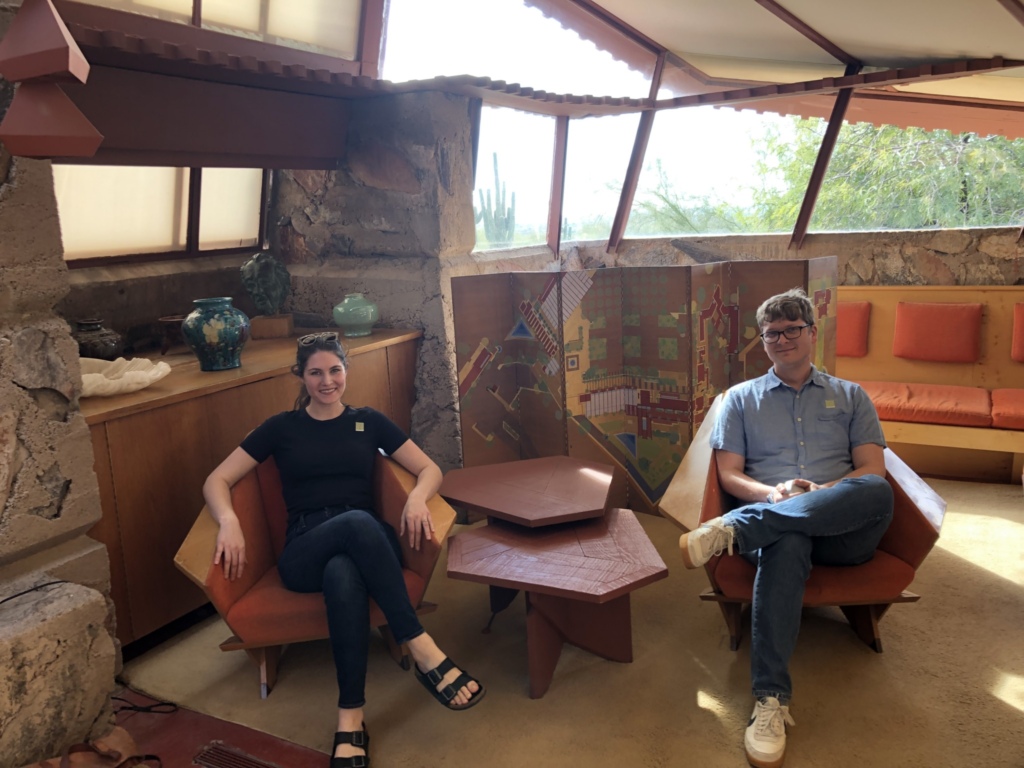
191,249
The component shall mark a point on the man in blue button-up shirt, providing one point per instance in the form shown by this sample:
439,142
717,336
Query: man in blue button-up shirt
804,450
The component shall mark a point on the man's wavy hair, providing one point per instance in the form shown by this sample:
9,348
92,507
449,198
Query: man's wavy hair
791,305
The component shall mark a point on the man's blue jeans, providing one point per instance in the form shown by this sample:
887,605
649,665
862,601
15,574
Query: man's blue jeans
841,525
349,556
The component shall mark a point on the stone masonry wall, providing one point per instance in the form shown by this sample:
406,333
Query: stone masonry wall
395,222
941,257
57,652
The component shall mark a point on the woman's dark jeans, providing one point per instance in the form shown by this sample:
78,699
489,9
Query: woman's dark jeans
350,556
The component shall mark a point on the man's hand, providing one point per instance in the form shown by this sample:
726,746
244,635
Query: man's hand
793,487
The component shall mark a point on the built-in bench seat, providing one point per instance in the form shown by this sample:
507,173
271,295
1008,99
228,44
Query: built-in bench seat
944,367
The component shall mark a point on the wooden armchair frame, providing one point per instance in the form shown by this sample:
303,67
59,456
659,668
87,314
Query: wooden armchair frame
262,614
863,592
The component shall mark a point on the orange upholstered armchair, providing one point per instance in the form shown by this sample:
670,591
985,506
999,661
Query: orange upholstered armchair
263,614
863,592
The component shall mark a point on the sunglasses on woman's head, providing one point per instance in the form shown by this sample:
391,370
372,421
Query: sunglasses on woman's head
312,338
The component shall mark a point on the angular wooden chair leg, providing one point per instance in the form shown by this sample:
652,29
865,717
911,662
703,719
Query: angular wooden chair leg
733,614
266,659
864,620
397,652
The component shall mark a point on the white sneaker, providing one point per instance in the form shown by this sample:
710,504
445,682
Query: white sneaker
710,539
765,738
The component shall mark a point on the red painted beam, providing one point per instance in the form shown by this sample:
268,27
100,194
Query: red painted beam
922,73
828,145
810,33
636,162
373,24
1015,9
557,185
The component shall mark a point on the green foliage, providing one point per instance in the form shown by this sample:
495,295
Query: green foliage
878,178
893,178
267,282
499,219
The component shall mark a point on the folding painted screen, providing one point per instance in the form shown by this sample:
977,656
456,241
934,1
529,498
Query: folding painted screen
616,365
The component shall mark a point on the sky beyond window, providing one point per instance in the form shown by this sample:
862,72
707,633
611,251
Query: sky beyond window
703,150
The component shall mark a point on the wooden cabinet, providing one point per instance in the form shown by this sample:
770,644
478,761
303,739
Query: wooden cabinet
154,448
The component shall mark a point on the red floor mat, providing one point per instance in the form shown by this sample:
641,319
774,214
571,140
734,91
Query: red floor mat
179,738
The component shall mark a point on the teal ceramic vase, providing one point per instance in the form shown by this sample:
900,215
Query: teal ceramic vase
216,331
355,315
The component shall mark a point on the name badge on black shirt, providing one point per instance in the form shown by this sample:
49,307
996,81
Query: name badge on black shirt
359,426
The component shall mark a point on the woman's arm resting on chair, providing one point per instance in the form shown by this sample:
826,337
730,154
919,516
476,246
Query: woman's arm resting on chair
416,515
217,492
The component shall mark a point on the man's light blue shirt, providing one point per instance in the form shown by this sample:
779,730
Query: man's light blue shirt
785,433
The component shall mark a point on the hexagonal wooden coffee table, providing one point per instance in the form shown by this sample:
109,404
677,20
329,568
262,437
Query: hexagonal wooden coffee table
577,578
532,492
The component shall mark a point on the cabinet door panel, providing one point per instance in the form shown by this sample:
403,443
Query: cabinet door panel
402,376
367,383
159,460
106,532
233,413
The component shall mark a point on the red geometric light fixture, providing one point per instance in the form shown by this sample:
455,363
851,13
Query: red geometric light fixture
38,44
36,52
43,122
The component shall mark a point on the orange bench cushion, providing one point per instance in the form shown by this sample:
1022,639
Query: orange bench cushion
1008,408
930,403
852,319
1017,349
940,333
879,580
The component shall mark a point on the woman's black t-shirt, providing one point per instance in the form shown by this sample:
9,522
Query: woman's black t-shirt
325,463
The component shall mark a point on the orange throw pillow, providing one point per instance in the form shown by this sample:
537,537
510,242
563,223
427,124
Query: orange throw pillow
1017,351
938,333
852,319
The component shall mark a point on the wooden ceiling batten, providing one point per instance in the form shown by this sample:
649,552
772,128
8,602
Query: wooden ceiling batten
810,33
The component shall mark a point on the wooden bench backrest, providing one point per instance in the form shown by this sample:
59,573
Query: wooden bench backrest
995,367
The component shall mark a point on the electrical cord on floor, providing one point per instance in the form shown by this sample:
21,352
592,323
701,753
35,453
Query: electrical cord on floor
156,708
32,589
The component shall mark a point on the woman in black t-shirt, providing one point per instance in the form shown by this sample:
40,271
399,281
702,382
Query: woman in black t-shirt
325,451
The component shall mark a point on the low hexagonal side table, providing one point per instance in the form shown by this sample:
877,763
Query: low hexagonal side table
577,578
532,492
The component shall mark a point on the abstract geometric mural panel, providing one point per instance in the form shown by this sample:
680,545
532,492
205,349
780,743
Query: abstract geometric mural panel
619,364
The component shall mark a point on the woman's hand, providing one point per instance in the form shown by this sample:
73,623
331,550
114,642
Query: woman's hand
417,521
230,548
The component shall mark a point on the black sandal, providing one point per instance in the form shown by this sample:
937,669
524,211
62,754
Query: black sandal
356,739
433,678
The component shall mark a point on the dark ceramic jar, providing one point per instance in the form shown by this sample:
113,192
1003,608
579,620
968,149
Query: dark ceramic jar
96,341
216,331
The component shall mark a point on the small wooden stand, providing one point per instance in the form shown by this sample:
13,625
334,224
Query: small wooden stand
271,326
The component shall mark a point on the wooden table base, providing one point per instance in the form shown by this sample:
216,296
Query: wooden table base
603,629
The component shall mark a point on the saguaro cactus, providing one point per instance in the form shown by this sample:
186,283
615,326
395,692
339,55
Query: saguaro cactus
499,221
